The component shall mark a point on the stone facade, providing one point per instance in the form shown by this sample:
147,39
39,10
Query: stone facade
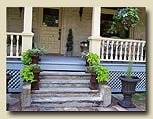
70,19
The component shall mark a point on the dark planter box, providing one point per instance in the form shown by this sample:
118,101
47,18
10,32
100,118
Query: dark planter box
93,81
36,77
35,59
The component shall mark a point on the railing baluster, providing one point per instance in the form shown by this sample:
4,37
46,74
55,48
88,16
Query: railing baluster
102,54
11,48
142,52
133,51
121,52
107,49
116,50
125,53
138,51
17,45
112,44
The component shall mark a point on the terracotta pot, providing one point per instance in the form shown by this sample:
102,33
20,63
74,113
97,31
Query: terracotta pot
93,81
36,77
128,88
35,59
87,64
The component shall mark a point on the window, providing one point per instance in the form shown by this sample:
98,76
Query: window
50,17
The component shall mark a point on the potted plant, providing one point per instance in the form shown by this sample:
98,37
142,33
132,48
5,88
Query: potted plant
32,55
84,56
84,46
128,87
69,43
90,58
27,76
36,71
93,81
102,74
99,74
125,18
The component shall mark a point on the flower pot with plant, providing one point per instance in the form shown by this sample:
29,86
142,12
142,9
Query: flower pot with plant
93,60
93,81
36,71
26,75
128,88
84,46
69,43
125,18
31,56
84,56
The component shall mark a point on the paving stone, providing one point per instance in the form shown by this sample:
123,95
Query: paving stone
11,100
106,109
119,108
47,109
30,109
87,109
70,109
14,107
135,109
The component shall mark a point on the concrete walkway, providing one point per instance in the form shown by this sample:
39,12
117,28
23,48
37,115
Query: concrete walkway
13,101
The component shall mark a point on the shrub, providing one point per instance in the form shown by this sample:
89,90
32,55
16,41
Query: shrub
102,74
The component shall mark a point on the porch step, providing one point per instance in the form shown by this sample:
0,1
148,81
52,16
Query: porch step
61,83
65,89
64,75
67,101
62,63
65,92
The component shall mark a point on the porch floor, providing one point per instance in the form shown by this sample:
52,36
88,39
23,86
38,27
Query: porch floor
62,60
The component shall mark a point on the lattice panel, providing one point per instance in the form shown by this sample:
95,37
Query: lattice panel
15,82
115,83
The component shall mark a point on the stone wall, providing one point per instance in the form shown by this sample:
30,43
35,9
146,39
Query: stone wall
81,29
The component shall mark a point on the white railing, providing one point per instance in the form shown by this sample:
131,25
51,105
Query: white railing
122,50
14,45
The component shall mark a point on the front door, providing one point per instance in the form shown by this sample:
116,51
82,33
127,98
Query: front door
50,30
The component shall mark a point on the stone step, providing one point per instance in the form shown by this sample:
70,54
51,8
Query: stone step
64,92
64,75
67,101
46,83
67,94
61,73
63,85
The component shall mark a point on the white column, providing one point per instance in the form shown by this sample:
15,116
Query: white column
27,29
95,38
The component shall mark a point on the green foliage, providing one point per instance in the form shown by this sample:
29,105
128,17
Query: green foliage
26,59
129,70
41,50
126,18
93,59
84,55
35,67
27,75
69,43
102,74
92,69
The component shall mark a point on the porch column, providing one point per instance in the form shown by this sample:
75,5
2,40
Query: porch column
27,29
95,38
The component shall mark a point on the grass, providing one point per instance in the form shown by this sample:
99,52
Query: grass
140,99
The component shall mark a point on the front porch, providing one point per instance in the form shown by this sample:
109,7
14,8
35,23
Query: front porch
65,76
53,35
